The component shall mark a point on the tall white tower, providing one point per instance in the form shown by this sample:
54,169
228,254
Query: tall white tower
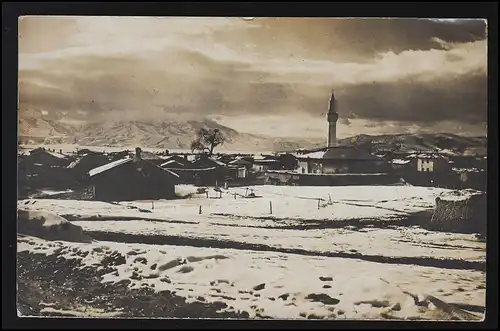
332,116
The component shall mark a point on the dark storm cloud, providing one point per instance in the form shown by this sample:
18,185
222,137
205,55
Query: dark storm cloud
360,39
463,99
398,70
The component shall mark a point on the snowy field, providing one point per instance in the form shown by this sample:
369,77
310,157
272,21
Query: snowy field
288,203
284,285
321,252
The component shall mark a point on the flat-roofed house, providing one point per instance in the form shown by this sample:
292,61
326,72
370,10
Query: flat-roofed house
340,160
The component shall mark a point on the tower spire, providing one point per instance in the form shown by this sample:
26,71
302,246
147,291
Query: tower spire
332,121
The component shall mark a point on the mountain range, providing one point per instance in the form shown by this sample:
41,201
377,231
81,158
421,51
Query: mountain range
177,133
36,128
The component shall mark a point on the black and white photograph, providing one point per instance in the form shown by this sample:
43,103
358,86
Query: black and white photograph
252,168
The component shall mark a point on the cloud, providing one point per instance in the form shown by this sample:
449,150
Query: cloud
381,70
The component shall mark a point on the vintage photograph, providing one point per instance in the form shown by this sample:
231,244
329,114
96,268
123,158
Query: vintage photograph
252,168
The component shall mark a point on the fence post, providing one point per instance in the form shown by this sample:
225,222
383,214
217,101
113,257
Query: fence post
270,207
225,185
234,195
199,210
318,202
220,194
207,194
152,205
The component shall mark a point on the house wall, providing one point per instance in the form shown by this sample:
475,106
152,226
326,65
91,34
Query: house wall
425,165
303,167
266,166
46,159
242,172
126,183
329,180
259,167
354,166
48,177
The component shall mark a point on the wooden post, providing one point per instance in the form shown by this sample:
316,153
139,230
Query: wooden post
199,211
270,207
152,205
225,185
234,195
207,194
220,194
246,192
318,202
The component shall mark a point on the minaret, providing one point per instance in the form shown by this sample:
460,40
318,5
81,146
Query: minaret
333,116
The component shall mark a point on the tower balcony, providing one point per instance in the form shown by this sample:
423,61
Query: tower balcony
333,117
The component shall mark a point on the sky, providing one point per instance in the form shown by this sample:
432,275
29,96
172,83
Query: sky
268,76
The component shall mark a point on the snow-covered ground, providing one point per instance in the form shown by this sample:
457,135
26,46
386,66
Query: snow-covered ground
288,250
284,285
282,202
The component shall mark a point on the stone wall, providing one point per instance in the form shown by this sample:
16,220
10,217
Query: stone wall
292,178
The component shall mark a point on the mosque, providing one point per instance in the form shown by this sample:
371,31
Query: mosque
335,159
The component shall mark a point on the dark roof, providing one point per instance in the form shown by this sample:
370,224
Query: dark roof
171,163
339,153
145,155
44,151
208,160
240,162
114,164
86,157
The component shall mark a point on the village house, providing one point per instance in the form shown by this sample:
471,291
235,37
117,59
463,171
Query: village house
236,171
340,160
204,161
265,163
45,169
178,159
430,162
239,161
132,179
151,157
46,158
173,164
425,168
81,166
114,156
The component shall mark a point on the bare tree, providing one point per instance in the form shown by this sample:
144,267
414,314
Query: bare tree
207,139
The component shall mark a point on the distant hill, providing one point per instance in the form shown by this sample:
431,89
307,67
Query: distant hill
35,128
418,142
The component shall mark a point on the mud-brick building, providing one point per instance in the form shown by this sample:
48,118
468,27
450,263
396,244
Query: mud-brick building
340,160
152,157
45,169
265,164
46,158
81,166
175,160
132,179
